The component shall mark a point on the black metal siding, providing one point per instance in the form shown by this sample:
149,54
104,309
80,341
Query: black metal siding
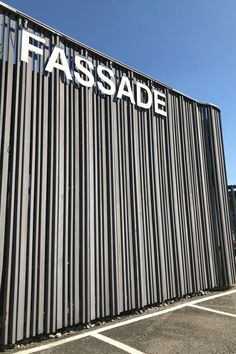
104,207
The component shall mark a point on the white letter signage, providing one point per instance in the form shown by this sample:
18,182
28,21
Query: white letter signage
85,74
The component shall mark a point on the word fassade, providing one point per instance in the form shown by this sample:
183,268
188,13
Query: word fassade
58,60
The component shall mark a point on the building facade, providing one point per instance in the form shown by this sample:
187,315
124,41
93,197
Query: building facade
113,191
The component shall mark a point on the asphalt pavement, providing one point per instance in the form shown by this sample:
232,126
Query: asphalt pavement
205,324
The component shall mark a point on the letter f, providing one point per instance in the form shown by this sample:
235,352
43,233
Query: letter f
26,47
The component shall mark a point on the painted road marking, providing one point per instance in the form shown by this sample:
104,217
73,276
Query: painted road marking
117,344
115,325
214,311
229,292
55,344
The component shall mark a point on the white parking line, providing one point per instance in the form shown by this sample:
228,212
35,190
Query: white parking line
117,344
124,323
162,312
229,292
214,311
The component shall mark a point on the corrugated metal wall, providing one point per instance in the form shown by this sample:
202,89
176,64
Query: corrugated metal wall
104,207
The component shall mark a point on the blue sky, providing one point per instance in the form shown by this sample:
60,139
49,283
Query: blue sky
187,44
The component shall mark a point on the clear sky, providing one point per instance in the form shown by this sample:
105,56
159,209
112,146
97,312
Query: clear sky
189,45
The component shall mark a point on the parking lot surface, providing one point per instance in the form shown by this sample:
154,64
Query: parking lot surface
204,324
